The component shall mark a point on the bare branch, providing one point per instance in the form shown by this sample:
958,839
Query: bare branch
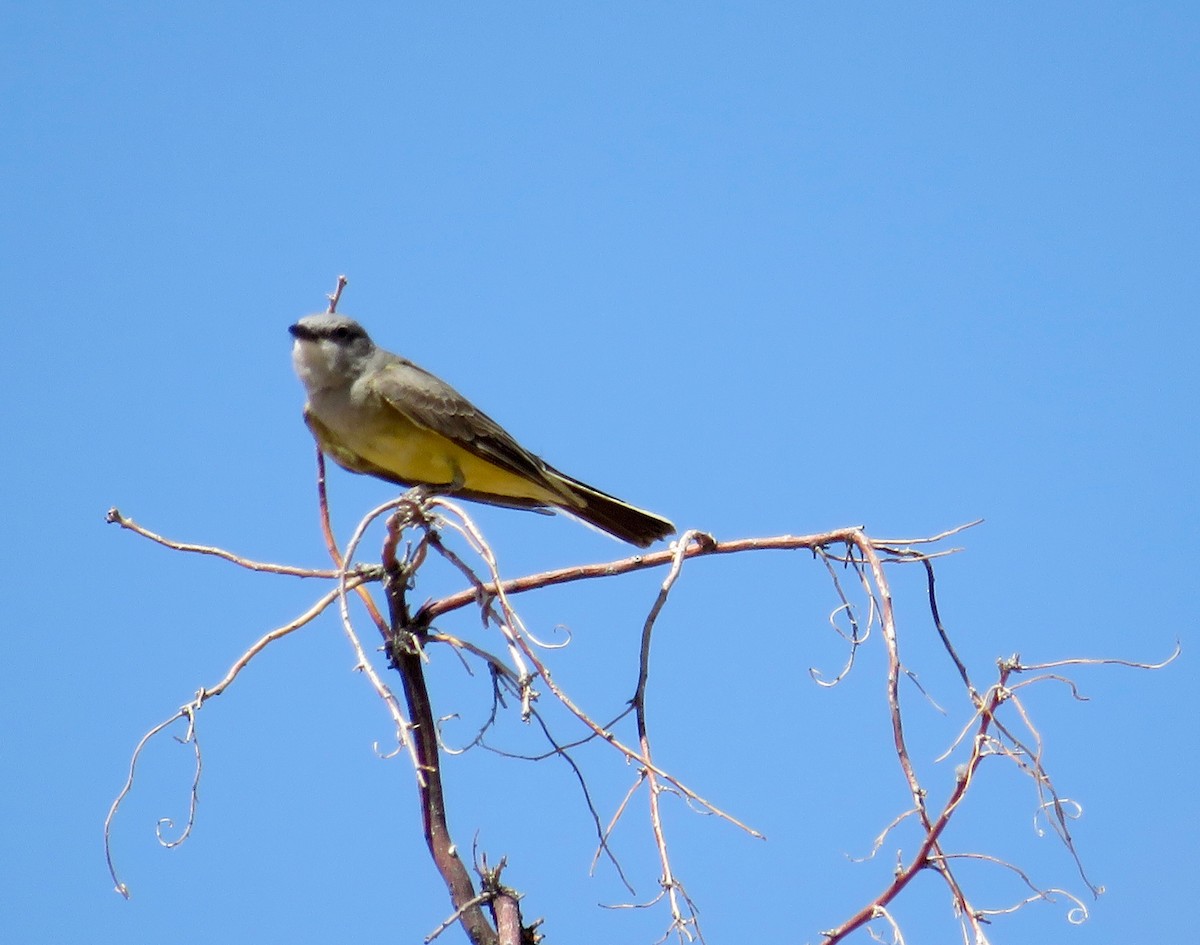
336,296
640,562
114,517
865,600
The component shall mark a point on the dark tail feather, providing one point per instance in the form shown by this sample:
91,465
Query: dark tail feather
610,514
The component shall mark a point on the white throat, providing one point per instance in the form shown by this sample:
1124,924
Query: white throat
313,365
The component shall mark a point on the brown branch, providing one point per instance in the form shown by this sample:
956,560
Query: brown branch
922,859
332,547
505,904
640,562
405,656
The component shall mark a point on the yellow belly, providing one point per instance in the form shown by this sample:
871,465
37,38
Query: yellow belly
422,456
418,456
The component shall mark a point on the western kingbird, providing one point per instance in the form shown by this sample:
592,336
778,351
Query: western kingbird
375,412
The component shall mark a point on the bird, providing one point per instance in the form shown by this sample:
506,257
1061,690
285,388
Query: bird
377,413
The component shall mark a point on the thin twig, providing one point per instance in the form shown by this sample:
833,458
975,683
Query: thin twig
114,517
336,296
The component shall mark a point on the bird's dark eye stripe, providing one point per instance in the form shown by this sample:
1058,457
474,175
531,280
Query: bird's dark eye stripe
339,333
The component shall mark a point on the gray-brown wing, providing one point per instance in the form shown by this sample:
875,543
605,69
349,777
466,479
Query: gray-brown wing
430,402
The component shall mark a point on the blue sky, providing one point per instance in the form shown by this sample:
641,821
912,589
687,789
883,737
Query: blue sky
763,268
